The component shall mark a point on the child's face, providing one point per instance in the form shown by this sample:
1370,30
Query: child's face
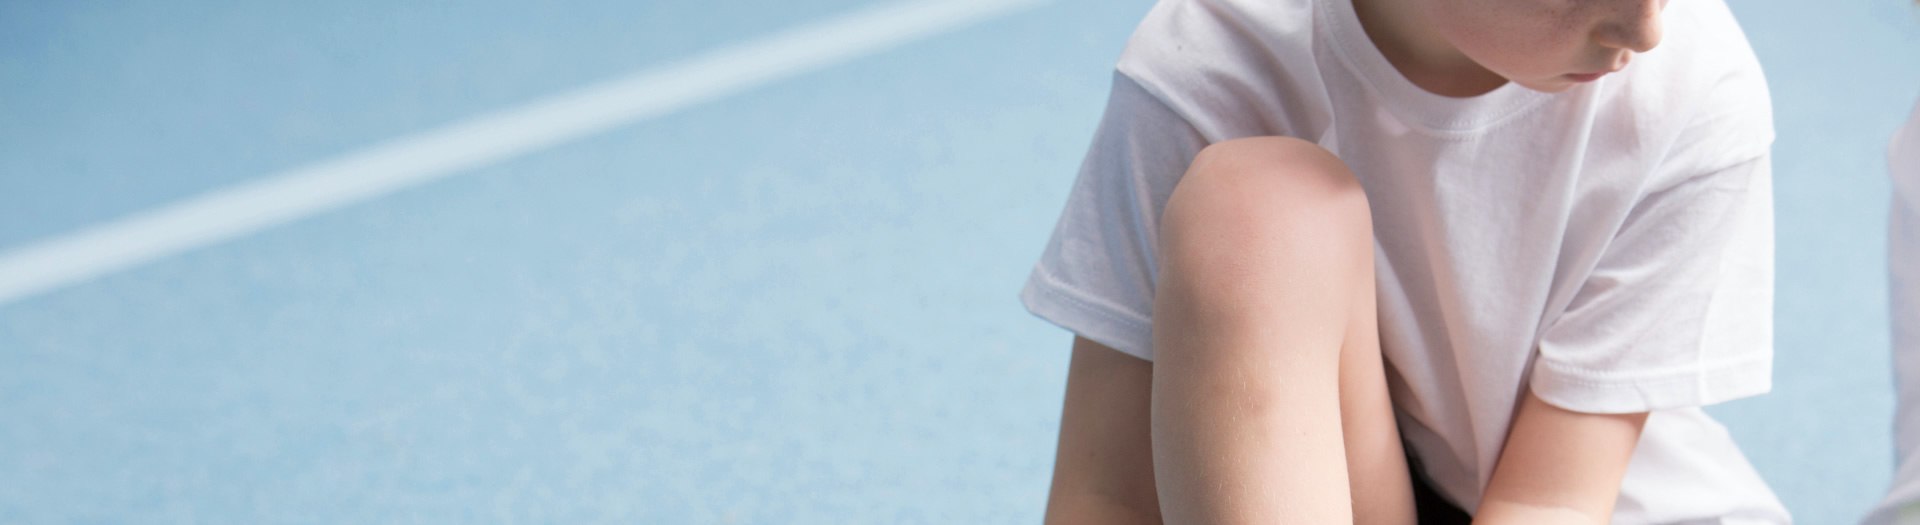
1548,45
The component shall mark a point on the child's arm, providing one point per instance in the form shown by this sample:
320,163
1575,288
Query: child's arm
1560,466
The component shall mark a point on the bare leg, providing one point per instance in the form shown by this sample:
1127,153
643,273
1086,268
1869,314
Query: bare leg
1263,320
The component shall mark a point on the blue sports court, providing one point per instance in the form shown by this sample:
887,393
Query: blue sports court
727,261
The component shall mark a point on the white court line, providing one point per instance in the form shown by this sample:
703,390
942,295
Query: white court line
236,211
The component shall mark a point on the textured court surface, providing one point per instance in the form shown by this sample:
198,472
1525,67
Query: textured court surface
790,305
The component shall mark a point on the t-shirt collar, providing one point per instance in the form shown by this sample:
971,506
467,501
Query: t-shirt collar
1407,101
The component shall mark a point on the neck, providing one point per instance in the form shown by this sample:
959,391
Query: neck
1420,53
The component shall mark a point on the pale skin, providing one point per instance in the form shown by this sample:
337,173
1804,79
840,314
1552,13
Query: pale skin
1266,401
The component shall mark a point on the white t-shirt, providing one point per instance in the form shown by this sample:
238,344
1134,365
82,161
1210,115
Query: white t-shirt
1902,504
1611,246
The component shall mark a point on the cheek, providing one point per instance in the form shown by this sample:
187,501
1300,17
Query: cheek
1518,47
1517,38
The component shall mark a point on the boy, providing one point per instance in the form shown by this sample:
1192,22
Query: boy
1554,224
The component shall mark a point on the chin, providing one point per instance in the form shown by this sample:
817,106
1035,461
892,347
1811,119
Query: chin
1550,86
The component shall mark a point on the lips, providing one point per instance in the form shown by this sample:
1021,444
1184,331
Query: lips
1589,77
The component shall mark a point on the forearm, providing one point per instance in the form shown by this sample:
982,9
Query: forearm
1560,466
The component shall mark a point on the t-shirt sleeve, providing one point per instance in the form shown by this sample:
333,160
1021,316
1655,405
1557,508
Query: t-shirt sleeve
1678,310
1096,277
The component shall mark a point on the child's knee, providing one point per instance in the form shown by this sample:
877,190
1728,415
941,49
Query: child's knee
1266,210
1246,201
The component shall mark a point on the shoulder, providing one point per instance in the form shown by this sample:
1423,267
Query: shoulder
1231,67
1703,90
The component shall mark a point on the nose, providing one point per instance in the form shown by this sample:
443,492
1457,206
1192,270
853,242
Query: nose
1636,28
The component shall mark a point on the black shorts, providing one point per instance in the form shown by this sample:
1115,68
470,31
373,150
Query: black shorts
1431,508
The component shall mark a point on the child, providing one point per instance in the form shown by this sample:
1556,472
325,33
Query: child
1554,224
1902,504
